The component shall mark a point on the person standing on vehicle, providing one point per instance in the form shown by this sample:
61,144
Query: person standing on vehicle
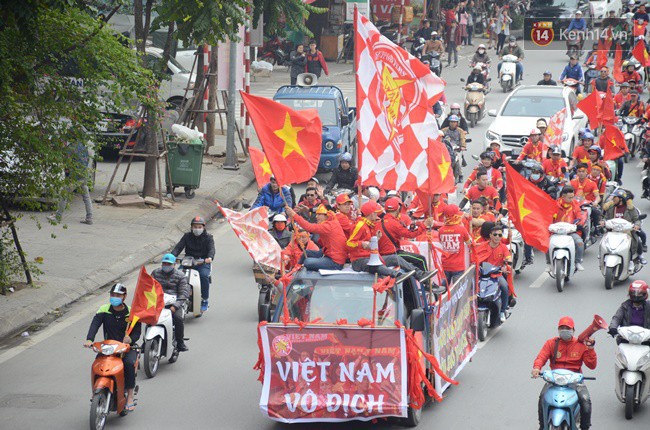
569,211
279,230
621,206
503,28
497,253
78,179
546,80
513,49
566,352
199,244
174,282
453,43
454,238
345,176
315,61
113,319
534,149
298,61
603,81
633,311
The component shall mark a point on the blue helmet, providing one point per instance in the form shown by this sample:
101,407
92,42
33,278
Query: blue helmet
346,156
453,118
169,258
587,135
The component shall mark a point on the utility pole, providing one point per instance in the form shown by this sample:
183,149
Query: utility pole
231,154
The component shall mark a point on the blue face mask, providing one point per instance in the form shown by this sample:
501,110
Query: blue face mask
167,269
116,301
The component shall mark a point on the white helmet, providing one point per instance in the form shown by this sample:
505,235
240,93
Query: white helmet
477,67
373,193
279,218
481,46
535,130
454,106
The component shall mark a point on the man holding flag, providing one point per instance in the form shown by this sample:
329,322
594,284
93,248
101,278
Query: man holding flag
113,318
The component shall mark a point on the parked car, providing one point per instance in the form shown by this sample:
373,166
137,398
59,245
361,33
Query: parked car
519,113
172,90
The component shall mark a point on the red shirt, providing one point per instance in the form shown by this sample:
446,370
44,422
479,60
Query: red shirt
570,355
580,154
293,252
332,238
397,230
619,99
600,183
495,256
619,211
347,223
453,239
553,168
567,214
490,193
420,208
587,189
362,232
495,178
534,152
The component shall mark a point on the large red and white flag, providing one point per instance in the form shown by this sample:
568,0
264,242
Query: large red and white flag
395,120
553,135
252,229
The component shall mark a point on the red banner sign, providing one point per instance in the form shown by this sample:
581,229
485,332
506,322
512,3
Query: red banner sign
332,373
383,8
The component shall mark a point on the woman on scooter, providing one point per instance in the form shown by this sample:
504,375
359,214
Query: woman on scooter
633,311
621,206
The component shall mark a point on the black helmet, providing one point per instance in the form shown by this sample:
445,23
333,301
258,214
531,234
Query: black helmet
118,289
198,220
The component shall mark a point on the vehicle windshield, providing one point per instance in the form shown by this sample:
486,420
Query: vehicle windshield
533,106
334,300
564,4
178,66
326,108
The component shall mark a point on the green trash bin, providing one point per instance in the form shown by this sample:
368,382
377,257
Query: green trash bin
185,163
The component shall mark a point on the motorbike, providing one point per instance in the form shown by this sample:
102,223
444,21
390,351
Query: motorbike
590,74
194,280
562,253
417,47
645,180
432,59
489,299
508,72
574,45
268,293
474,103
276,51
632,368
632,130
560,406
160,340
616,255
574,84
107,377
516,245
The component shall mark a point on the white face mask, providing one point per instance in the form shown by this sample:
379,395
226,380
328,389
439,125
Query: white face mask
481,51
512,44
197,231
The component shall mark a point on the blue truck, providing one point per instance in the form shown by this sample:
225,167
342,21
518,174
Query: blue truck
338,118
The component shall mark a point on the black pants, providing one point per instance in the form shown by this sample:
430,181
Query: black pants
395,260
179,326
583,399
294,79
129,369
501,40
361,265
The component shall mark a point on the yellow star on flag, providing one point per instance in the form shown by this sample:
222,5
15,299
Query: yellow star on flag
289,134
584,159
394,98
444,169
266,167
523,212
151,296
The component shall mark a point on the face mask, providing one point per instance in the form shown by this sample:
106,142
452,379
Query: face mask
455,111
566,335
280,226
535,176
197,231
167,269
512,44
481,51
116,301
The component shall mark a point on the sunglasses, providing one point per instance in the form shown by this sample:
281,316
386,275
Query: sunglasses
497,234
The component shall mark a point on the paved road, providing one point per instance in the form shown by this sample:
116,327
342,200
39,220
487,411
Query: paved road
45,380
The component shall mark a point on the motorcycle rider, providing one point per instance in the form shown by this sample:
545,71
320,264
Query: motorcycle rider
546,79
494,176
480,56
540,178
555,166
534,148
198,243
423,32
481,189
579,25
566,352
113,319
513,49
476,76
581,153
434,44
633,311
454,109
497,253
542,125
621,206
270,197
631,76
573,70
568,210
279,230
633,107
174,282
595,159
345,176
587,190
456,137
622,96
603,81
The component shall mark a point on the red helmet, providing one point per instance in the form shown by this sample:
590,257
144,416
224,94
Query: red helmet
638,291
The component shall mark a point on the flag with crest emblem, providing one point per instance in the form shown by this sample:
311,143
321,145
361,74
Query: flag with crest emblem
148,301
553,135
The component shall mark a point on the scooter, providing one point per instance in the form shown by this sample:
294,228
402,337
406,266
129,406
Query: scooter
574,84
160,340
516,245
632,368
590,74
107,377
474,103
417,47
632,131
489,299
560,407
616,257
432,59
268,293
574,45
194,280
562,252
508,72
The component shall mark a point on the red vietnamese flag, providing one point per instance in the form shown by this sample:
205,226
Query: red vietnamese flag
606,115
441,174
148,301
590,105
261,167
639,29
618,64
613,143
529,208
601,58
290,139
640,53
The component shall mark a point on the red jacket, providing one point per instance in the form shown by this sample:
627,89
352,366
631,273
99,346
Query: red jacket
332,238
318,56
567,214
570,355
534,152
495,180
397,230
347,223
362,232
293,252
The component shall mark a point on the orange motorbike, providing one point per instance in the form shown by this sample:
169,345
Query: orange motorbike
107,378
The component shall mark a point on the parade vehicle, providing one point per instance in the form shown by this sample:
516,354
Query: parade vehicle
338,118
632,366
524,106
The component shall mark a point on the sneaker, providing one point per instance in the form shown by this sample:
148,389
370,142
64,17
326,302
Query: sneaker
87,221
579,267
512,302
181,347
204,305
427,275
645,248
502,317
642,260
528,261
404,276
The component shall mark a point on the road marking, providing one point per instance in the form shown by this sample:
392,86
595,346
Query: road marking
540,280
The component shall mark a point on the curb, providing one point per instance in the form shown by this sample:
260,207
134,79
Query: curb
226,193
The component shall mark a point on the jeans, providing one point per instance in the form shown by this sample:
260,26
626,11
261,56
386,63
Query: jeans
316,260
528,252
501,40
179,326
361,265
129,369
619,169
470,31
204,273
583,399
294,79
85,194
451,275
451,49
519,70
580,247
393,260
505,292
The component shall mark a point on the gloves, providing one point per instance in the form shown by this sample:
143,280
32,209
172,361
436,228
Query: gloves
612,331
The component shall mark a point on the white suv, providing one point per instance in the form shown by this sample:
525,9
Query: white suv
524,106
172,90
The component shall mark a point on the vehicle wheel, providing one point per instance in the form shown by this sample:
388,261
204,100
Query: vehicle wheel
626,158
176,103
629,401
482,325
472,121
151,357
98,410
609,278
559,276
413,418
174,356
263,298
189,193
